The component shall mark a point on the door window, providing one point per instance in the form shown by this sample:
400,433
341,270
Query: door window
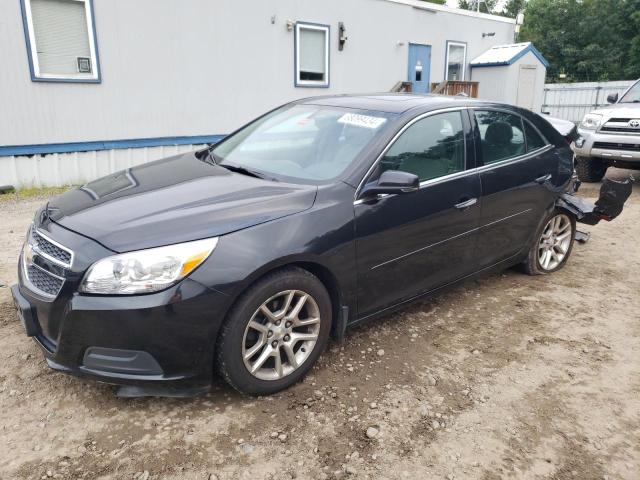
430,148
534,140
456,59
501,134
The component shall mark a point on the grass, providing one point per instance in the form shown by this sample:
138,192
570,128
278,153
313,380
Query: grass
33,192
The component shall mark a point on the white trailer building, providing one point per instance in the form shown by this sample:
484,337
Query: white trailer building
93,86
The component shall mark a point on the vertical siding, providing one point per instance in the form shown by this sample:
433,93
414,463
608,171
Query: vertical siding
572,101
59,169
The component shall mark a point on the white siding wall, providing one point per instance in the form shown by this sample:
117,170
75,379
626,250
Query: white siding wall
203,68
59,169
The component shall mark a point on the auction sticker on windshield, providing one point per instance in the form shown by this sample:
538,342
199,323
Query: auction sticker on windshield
364,121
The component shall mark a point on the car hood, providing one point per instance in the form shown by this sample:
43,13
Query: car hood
174,200
620,110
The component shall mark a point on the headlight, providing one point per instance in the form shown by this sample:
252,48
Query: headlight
146,271
591,121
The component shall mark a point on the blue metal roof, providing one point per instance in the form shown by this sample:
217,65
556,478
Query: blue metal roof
501,55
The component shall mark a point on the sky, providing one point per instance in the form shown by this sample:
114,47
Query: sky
454,3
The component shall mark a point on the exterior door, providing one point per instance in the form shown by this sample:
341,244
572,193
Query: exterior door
419,65
517,176
526,86
411,243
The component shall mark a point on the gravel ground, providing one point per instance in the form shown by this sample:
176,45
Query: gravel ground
509,376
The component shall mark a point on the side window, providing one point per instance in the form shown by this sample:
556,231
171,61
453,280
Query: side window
501,134
430,148
61,40
534,140
312,55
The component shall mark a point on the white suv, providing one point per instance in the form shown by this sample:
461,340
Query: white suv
609,136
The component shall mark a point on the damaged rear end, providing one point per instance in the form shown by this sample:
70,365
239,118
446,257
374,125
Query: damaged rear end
613,195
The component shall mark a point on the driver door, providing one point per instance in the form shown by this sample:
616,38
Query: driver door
408,244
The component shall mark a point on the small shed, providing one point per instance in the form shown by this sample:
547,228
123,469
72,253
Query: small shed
513,73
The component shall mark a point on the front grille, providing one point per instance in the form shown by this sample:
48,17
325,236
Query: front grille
44,281
45,264
619,125
630,147
619,129
51,250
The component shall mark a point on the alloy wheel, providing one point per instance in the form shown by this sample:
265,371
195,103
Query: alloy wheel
281,335
554,242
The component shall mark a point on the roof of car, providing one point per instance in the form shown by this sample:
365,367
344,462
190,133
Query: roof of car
390,102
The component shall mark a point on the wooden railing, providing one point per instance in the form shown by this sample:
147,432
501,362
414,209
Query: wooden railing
401,87
454,87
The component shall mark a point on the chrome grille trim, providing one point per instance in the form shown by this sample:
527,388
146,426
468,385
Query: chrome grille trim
30,284
64,256
38,276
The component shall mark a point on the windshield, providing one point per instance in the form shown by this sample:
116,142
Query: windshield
633,95
309,142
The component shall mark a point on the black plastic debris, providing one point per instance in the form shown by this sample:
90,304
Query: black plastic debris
613,194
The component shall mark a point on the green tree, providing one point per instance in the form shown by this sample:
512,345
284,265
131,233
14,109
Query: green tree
588,40
513,7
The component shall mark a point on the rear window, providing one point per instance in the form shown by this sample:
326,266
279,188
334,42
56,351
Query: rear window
502,135
534,140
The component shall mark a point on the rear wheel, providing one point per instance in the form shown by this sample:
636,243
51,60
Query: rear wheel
275,333
590,169
553,245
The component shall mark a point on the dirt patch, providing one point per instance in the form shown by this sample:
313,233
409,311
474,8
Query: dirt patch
508,376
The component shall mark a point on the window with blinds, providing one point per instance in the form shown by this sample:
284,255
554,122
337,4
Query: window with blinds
456,60
61,39
312,55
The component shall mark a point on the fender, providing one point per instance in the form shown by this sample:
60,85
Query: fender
610,203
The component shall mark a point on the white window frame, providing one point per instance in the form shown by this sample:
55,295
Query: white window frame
464,59
311,83
36,75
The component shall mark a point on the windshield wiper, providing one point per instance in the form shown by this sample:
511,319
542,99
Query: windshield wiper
245,171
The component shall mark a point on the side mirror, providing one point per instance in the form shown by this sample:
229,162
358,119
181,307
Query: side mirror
393,182
612,98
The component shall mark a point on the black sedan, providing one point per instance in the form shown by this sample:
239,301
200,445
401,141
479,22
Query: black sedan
243,258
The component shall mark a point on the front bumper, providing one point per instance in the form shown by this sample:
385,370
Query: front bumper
166,338
612,147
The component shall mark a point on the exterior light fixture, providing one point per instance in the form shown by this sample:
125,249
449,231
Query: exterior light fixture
489,34
342,38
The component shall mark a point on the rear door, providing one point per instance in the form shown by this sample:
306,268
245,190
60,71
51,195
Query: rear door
517,170
411,243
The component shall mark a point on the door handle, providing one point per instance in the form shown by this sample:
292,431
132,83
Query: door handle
466,204
543,178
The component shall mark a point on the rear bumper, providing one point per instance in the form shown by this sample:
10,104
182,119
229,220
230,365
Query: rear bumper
166,338
612,147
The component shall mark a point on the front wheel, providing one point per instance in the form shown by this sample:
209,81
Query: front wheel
553,245
275,332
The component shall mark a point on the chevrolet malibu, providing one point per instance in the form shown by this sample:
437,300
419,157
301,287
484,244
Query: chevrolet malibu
245,257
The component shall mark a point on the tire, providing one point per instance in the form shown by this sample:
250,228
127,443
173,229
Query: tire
537,263
250,331
590,169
